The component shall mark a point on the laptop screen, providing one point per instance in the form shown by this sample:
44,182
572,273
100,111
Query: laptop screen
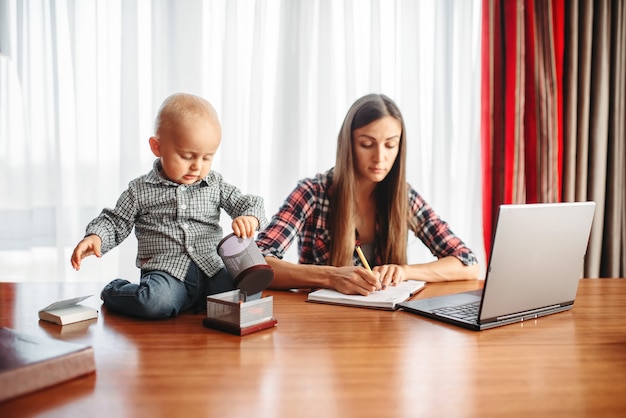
537,257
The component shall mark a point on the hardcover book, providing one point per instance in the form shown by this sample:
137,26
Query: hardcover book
68,311
29,363
381,299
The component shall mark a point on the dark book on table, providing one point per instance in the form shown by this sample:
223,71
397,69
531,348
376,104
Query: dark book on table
29,363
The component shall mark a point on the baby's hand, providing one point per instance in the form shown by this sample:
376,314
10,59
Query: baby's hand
244,226
90,245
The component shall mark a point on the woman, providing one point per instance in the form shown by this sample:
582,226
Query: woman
364,201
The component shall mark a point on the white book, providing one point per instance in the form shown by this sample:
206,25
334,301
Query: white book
68,311
380,299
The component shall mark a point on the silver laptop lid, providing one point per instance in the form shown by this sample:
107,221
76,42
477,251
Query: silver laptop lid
536,257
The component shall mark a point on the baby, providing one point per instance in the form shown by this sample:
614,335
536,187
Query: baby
175,210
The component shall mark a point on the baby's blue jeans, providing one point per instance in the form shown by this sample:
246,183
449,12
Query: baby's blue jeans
159,295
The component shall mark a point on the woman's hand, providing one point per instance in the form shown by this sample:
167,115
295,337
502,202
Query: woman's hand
390,274
353,280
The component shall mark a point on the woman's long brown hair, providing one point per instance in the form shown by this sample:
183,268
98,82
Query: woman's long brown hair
391,194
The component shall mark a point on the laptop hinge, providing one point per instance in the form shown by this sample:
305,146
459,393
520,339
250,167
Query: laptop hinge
528,313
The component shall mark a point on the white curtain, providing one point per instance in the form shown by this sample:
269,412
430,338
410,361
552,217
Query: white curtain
81,81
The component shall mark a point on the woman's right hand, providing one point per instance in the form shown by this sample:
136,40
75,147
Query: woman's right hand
353,280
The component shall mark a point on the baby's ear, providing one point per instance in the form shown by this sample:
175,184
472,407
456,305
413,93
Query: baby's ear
155,146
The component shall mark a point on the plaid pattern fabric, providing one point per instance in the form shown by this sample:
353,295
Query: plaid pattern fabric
304,216
174,223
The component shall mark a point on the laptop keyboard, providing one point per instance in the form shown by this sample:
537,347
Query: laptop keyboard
467,312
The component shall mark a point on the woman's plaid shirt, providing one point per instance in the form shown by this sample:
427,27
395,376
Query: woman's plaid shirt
304,215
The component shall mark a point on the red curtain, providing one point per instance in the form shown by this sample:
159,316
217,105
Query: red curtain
522,104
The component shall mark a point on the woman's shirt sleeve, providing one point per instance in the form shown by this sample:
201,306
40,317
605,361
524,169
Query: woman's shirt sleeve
435,233
289,222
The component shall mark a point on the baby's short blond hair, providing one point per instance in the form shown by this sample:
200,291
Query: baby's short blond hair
180,106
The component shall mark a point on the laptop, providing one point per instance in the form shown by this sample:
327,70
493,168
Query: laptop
535,265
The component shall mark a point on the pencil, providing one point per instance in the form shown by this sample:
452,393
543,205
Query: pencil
363,259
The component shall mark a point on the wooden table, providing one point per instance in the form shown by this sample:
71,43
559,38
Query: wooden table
332,361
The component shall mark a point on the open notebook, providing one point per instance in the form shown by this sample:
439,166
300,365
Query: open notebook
534,268
381,299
